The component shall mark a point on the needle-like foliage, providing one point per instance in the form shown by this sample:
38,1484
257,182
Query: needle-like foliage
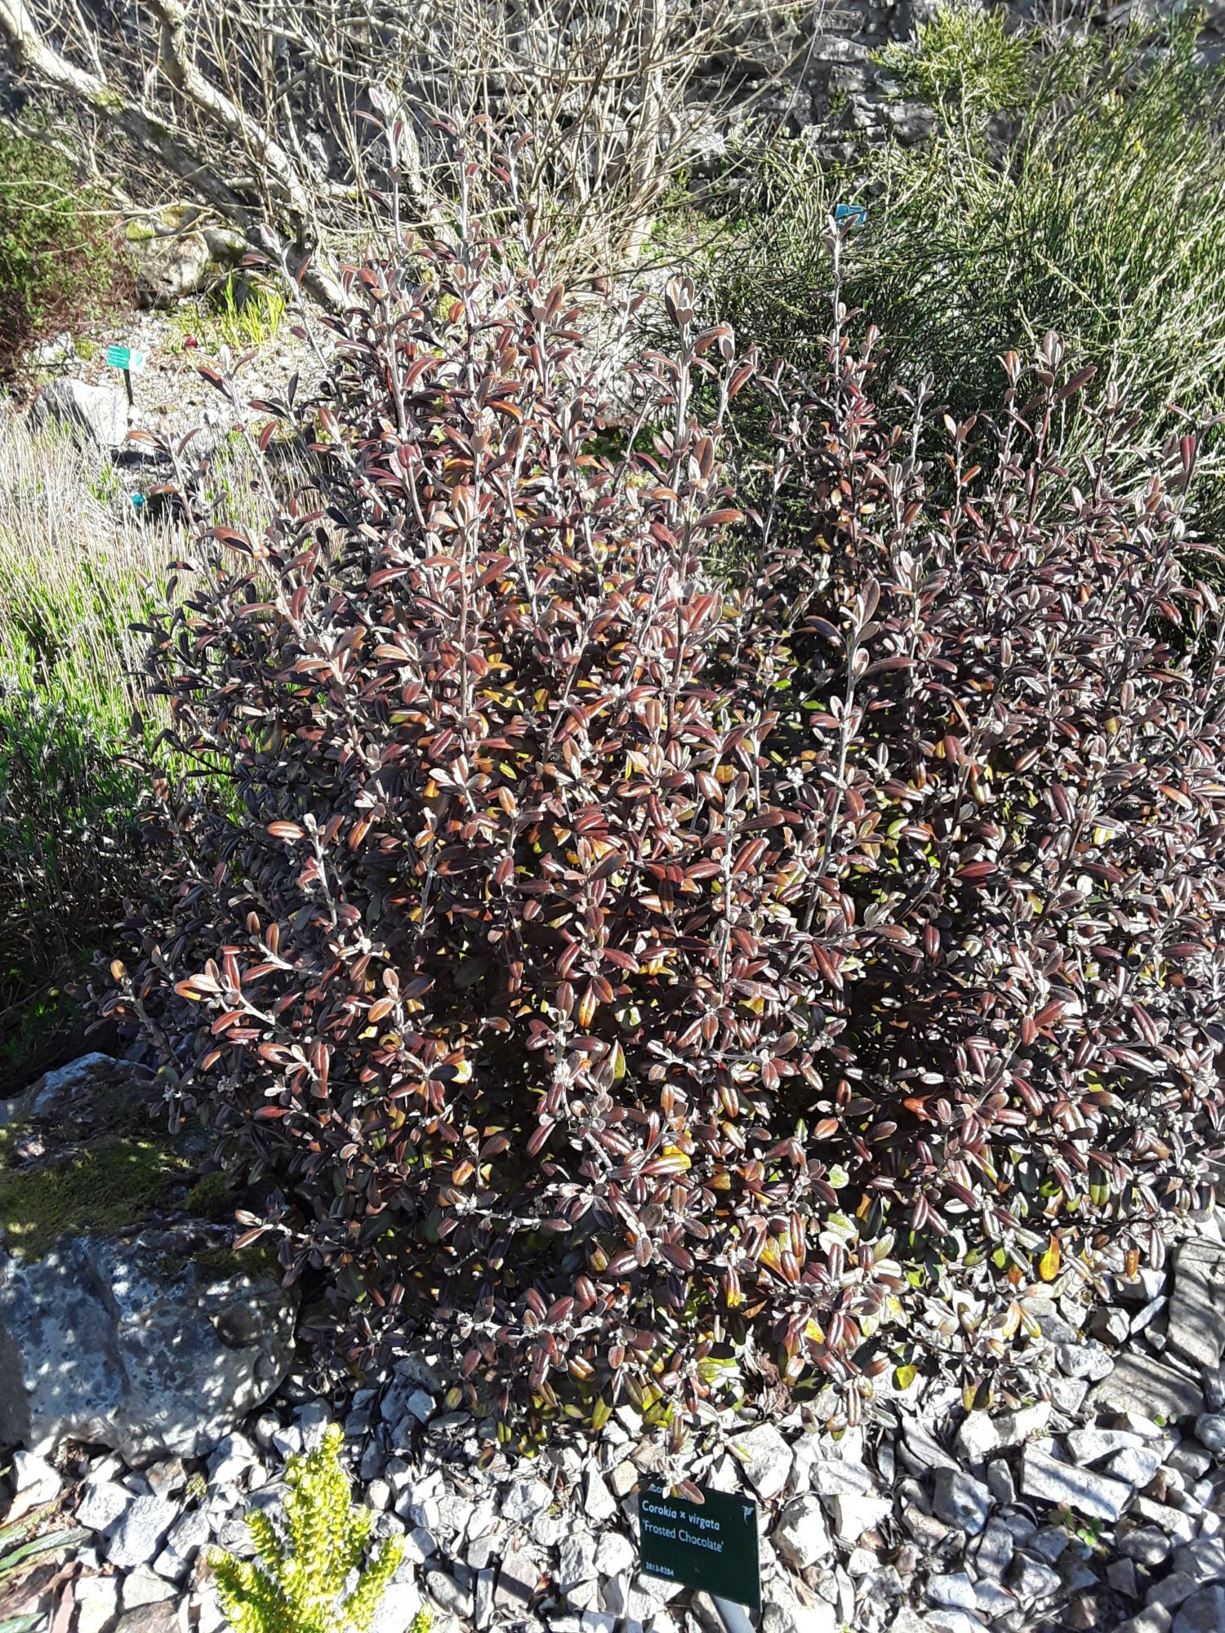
308,1574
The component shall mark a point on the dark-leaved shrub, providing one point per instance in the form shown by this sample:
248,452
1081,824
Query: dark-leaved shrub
647,975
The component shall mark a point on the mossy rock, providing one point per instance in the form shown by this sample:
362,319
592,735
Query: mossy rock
104,1188
89,1153
213,1196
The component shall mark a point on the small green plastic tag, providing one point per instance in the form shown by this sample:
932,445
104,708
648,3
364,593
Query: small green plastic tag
123,357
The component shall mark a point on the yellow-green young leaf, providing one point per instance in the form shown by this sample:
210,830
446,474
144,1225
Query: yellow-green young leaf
1048,1264
904,1376
600,1414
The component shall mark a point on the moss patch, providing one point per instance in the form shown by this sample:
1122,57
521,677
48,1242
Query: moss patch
212,1197
103,1189
223,1262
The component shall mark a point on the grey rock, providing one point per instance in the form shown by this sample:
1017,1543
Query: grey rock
483,1598
448,1594
419,1406
788,1615
549,1529
1153,1619
598,1502
1112,1324
397,1608
1067,1394
766,1458
189,1532
233,1457
921,1449
143,1587
1084,1359
518,1579
267,1424
1145,1544
994,1549
167,1478
159,1618
1173,1521
288,1440
1203,1559
172,1566
1143,1385
1033,1578
169,266
840,1479
138,1537
1135,1465
1141,1424
1190,1459
801,1535
908,1621
993,1601
525,1499
959,1499
1092,1445
1203,1612
1210,1431
132,1343
33,1478
1122,1577
1196,1331
97,1599
854,1515
1172,1590
929,1532
981,1436
575,1560
1083,1490
97,416
954,1621
1000,1482
419,1545
954,1590
102,1505
614,1554
1049,1543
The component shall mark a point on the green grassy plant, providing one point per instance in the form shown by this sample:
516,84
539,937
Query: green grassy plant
240,313
1095,209
76,564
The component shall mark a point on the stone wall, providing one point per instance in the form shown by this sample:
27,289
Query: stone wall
834,94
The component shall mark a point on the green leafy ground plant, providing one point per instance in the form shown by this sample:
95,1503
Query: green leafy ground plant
299,1582
20,1547
61,262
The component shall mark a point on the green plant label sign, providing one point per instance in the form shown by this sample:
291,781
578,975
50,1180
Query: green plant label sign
710,1545
123,357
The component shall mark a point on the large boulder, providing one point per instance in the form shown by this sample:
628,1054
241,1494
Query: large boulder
170,266
154,1345
96,416
126,1317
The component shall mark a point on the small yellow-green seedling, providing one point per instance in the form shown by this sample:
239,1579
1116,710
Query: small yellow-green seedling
297,1584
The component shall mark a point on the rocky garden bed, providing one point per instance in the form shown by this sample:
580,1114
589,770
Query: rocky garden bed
151,1393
